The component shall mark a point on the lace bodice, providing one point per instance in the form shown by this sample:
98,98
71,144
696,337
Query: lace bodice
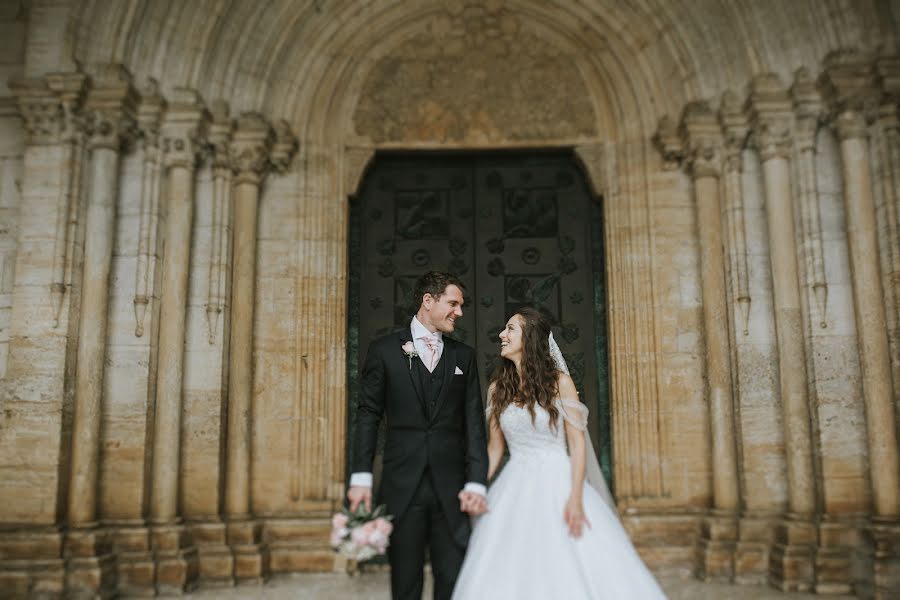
525,438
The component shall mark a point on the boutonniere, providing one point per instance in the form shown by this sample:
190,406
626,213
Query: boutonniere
410,350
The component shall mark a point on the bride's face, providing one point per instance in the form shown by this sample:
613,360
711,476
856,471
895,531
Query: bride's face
511,339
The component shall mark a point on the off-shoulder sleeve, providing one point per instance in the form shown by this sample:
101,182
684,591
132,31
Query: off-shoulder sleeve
574,412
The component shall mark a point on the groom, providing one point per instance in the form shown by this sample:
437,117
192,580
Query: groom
435,455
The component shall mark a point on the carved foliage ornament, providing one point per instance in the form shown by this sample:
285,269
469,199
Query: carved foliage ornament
49,106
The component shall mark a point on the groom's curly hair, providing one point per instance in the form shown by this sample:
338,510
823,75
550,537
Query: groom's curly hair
539,382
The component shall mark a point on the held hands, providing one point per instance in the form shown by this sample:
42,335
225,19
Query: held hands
575,517
359,494
472,503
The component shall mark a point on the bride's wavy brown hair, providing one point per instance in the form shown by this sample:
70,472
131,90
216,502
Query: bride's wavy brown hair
538,384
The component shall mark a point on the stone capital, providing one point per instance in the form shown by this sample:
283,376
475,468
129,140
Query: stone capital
850,124
887,70
848,82
250,147
808,108
221,129
669,143
149,115
702,136
771,117
772,139
110,108
887,117
49,106
183,128
733,119
284,148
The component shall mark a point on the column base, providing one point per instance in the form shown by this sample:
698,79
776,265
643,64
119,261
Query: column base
716,546
177,563
250,554
837,556
886,564
31,563
751,553
215,557
136,566
792,556
300,546
90,564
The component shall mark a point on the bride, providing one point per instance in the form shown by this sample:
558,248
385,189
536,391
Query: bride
547,534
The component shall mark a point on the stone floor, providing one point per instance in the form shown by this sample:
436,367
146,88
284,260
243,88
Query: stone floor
374,586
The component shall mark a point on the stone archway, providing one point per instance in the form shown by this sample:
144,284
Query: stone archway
739,457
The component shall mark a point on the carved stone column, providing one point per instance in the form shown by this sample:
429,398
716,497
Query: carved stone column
250,156
871,324
149,116
849,80
791,560
110,119
808,107
109,109
40,337
704,143
176,559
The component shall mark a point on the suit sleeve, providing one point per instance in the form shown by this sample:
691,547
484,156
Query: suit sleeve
369,410
476,438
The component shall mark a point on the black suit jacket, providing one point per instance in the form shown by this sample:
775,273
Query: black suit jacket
451,442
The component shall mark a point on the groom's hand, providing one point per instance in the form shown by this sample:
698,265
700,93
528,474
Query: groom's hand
357,494
472,503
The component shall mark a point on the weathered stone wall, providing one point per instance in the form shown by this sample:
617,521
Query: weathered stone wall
187,420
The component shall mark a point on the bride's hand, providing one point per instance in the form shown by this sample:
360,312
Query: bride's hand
575,517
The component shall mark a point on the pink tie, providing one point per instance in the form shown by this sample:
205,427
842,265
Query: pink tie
432,344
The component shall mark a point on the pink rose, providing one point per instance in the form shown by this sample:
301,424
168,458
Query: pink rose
339,521
359,536
378,540
384,526
336,538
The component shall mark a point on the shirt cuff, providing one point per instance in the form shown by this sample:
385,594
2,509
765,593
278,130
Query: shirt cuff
475,488
361,480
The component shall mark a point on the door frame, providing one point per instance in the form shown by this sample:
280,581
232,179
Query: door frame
600,423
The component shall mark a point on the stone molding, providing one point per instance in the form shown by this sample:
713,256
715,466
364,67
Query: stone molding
356,160
284,147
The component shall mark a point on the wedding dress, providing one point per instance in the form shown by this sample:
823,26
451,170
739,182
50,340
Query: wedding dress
521,548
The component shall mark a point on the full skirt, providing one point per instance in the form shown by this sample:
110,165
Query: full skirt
521,548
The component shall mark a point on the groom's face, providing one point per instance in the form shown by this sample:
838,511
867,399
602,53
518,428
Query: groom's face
445,309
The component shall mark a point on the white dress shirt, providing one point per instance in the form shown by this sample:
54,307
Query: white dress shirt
418,332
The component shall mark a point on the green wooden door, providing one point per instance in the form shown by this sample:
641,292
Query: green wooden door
516,228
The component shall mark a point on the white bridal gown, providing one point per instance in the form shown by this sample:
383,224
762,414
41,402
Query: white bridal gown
521,548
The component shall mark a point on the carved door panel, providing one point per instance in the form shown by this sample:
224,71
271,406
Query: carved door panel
417,218
516,229
533,246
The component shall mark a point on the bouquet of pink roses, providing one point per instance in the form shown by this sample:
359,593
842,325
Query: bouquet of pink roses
361,535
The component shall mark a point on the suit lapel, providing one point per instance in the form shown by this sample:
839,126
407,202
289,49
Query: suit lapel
448,357
406,336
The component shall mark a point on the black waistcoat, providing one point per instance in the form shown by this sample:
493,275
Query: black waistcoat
432,383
